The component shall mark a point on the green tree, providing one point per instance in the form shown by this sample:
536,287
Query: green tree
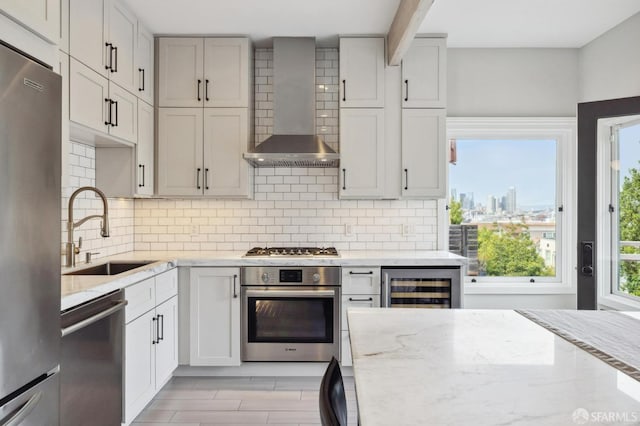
508,250
630,231
455,212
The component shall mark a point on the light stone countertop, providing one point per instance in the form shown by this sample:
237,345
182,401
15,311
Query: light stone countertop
77,289
472,367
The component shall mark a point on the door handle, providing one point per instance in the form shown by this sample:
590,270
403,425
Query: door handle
344,179
586,251
154,321
115,69
110,55
206,178
369,299
406,179
199,84
198,178
82,324
344,90
108,102
141,70
141,168
160,327
116,104
235,292
385,302
406,90
206,90
361,273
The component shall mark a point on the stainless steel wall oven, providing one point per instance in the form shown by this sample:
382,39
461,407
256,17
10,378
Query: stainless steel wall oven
290,313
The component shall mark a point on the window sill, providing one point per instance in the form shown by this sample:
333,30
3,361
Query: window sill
518,288
618,303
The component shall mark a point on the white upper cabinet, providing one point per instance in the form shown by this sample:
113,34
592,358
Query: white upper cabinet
88,97
180,169
144,150
180,72
88,32
424,156
362,72
123,117
63,35
123,35
40,16
226,174
211,72
145,66
362,153
424,74
226,72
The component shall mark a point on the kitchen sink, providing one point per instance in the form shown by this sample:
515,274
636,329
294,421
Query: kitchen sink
110,268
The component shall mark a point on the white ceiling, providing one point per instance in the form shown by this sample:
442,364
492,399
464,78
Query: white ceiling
469,23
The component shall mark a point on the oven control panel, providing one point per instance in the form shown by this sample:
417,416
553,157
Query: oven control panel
300,276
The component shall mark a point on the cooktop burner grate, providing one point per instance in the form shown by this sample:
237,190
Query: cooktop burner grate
293,251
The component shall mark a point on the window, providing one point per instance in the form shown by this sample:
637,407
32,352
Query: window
624,206
507,184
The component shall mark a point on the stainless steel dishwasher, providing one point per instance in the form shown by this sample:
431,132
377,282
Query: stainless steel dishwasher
91,363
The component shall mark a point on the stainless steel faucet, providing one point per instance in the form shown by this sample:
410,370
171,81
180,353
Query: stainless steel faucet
70,248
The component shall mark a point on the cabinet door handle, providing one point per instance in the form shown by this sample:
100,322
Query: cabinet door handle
370,299
344,90
115,69
406,179
116,104
344,179
406,90
206,178
108,120
109,47
199,84
141,168
361,273
235,292
206,90
154,321
141,71
160,328
198,178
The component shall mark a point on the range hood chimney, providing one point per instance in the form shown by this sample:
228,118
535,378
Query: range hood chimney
294,142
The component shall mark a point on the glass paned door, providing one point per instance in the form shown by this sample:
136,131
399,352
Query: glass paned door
625,208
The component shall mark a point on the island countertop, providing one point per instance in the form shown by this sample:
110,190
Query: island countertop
462,367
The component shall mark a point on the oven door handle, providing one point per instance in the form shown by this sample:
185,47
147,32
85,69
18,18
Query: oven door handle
290,293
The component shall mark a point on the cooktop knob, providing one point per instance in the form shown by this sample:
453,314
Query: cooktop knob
265,277
316,277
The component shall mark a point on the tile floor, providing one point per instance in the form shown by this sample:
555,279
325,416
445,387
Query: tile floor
202,401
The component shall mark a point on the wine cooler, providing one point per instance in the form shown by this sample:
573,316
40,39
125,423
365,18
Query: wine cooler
423,287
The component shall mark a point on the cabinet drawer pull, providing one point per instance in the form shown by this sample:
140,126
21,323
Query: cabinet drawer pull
406,88
361,273
235,292
199,84
369,299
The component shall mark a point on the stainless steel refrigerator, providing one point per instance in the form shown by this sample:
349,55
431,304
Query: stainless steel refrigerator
30,120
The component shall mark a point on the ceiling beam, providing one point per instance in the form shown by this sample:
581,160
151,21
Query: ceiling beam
404,27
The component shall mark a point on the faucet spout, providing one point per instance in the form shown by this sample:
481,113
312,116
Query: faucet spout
71,225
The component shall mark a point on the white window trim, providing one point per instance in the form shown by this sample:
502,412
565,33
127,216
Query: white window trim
562,129
607,299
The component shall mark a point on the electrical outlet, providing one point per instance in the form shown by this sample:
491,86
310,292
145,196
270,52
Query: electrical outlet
348,229
195,230
408,230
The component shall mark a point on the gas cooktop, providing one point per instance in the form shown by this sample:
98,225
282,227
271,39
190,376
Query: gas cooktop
293,252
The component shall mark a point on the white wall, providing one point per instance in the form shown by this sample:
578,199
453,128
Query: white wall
512,82
610,64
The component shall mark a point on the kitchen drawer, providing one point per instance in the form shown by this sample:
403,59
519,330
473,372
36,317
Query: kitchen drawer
357,301
345,350
141,298
361,280
166,285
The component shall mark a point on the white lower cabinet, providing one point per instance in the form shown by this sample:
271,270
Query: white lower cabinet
360,288
151,340
214,316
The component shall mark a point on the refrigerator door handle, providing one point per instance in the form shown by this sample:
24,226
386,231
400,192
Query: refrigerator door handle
19,415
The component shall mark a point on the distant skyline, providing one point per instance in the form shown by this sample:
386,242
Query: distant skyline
491,167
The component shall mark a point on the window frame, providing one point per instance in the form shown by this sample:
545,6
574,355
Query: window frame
563,131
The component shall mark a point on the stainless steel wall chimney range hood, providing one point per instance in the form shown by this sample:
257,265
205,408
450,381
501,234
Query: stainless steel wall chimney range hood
294,142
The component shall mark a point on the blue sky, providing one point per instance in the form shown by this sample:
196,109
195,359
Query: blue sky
629,150
490,167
